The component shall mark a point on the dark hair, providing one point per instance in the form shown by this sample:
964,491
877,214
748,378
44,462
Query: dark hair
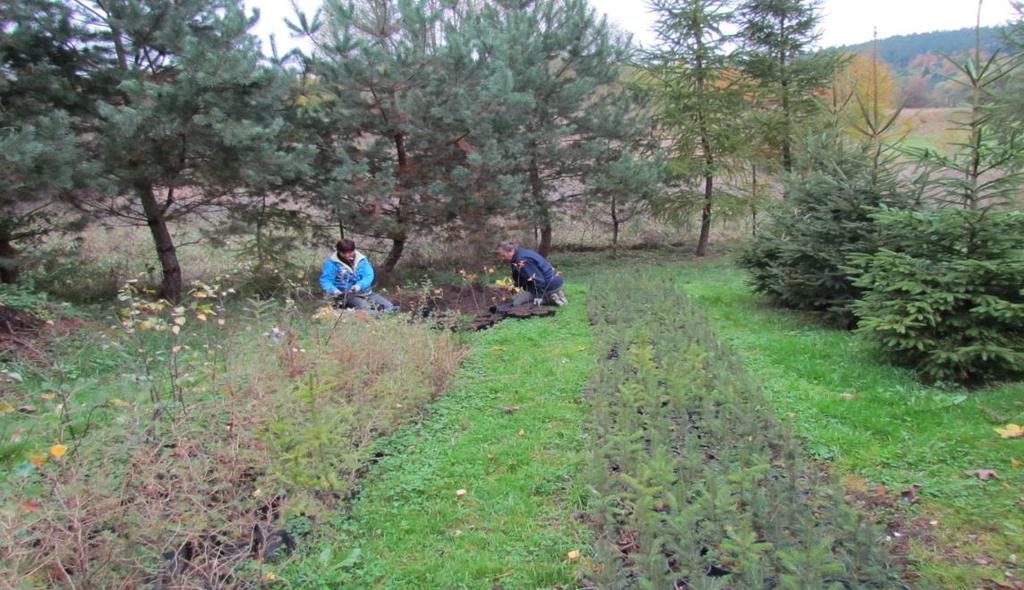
345,245
507,246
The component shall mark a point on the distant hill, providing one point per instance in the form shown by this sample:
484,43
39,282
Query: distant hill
899,51
917,62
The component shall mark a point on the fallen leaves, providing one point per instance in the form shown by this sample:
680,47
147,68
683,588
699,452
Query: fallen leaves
1011,431
38,459
1016,463
983,474
6,408
573,555
57,451
460,493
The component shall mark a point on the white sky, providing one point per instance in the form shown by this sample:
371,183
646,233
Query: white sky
845,21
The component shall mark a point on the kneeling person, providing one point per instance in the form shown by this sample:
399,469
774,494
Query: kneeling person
532,273
347,277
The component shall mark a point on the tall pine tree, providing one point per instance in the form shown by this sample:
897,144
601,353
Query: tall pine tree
189,116
41,89
564,66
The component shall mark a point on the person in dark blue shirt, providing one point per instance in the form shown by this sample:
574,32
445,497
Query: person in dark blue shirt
532,273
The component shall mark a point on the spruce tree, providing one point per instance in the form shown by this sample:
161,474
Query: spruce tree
777,38
700,103
189,114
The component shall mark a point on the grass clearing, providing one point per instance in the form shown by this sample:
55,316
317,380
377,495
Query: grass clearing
509,433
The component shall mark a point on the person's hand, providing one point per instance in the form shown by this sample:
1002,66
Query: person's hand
355,289
538,301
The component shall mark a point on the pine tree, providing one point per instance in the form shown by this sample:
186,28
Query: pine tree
700,104
565,68
40,85
777,37
189,114
405,121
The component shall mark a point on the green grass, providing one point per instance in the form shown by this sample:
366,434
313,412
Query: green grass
510,433
877,422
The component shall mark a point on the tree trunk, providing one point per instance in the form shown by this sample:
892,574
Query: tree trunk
615,227
705,218
165,250
9,269
753,200
397,247
542,209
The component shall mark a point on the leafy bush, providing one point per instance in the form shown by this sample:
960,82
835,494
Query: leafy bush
799,259
945,293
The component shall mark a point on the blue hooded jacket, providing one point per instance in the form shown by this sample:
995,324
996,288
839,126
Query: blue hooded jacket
533,273
337,276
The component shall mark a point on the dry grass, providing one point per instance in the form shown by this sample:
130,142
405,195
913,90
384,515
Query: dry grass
252,431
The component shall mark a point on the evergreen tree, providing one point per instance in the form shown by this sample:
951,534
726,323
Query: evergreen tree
188,117
565,68
777,37
40,87
405,118
800,259
700,104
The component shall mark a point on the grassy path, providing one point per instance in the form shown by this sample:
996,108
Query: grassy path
510,434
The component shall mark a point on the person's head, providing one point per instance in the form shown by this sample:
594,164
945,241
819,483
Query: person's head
346,250
506,250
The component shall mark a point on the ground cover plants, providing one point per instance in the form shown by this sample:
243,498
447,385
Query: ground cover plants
696,483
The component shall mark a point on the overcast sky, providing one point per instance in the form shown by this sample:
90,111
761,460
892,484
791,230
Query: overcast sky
844,22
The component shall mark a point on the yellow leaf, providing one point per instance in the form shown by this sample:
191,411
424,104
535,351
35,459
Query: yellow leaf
270,576
460,493
176,348
176,330
58,451
521,433
6,408
200,295
37,459
201,317
118,402
179,321
1016,464
573,555
1011,431
48,395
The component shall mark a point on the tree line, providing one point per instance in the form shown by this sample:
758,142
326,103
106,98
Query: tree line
405,119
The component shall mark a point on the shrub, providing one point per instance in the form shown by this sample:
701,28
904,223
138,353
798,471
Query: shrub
799,259
946,292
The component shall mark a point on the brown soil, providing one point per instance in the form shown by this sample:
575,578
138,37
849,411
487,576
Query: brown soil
469,299
22,333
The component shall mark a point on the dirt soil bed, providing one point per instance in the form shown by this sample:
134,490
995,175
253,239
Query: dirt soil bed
470,299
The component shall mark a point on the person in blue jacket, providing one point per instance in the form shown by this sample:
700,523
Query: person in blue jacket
347,277
532,273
